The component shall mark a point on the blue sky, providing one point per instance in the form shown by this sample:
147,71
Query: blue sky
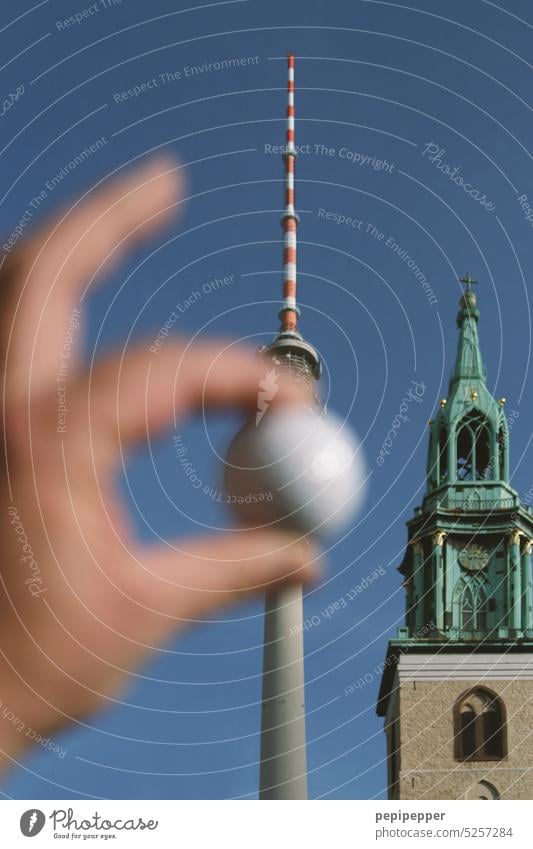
415,88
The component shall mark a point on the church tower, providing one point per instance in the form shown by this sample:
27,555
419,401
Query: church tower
457,685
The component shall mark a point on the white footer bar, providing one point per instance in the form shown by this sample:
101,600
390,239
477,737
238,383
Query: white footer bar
262,825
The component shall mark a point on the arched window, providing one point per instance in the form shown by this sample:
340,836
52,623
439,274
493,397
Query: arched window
482,790
467,610
482,605
473,448
474,606
464,454
443,455
479,726
502,447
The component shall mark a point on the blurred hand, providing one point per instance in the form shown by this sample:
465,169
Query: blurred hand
81,601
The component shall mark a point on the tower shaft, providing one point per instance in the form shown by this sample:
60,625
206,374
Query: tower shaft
283,772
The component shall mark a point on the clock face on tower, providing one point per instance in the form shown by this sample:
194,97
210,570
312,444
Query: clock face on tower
474,558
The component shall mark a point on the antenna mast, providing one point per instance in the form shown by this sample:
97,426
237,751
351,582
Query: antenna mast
283,772
289,311
289,350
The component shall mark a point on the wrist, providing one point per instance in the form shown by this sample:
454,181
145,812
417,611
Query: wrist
15,727
12,738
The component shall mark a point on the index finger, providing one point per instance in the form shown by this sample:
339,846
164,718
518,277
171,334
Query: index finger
130,398
54,266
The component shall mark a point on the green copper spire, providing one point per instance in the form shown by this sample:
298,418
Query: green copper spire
467,568
468,455
469,364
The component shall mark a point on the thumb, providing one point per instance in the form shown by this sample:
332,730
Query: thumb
199,575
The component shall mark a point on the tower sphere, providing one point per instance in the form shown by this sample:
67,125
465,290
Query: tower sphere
296,469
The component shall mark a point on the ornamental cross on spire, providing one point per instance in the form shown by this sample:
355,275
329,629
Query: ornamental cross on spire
468,281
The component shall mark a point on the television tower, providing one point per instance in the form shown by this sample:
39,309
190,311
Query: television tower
283,772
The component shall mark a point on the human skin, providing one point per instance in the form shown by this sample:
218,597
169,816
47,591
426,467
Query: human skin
82,601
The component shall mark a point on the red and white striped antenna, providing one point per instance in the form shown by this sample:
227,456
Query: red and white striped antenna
289,311
289,350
